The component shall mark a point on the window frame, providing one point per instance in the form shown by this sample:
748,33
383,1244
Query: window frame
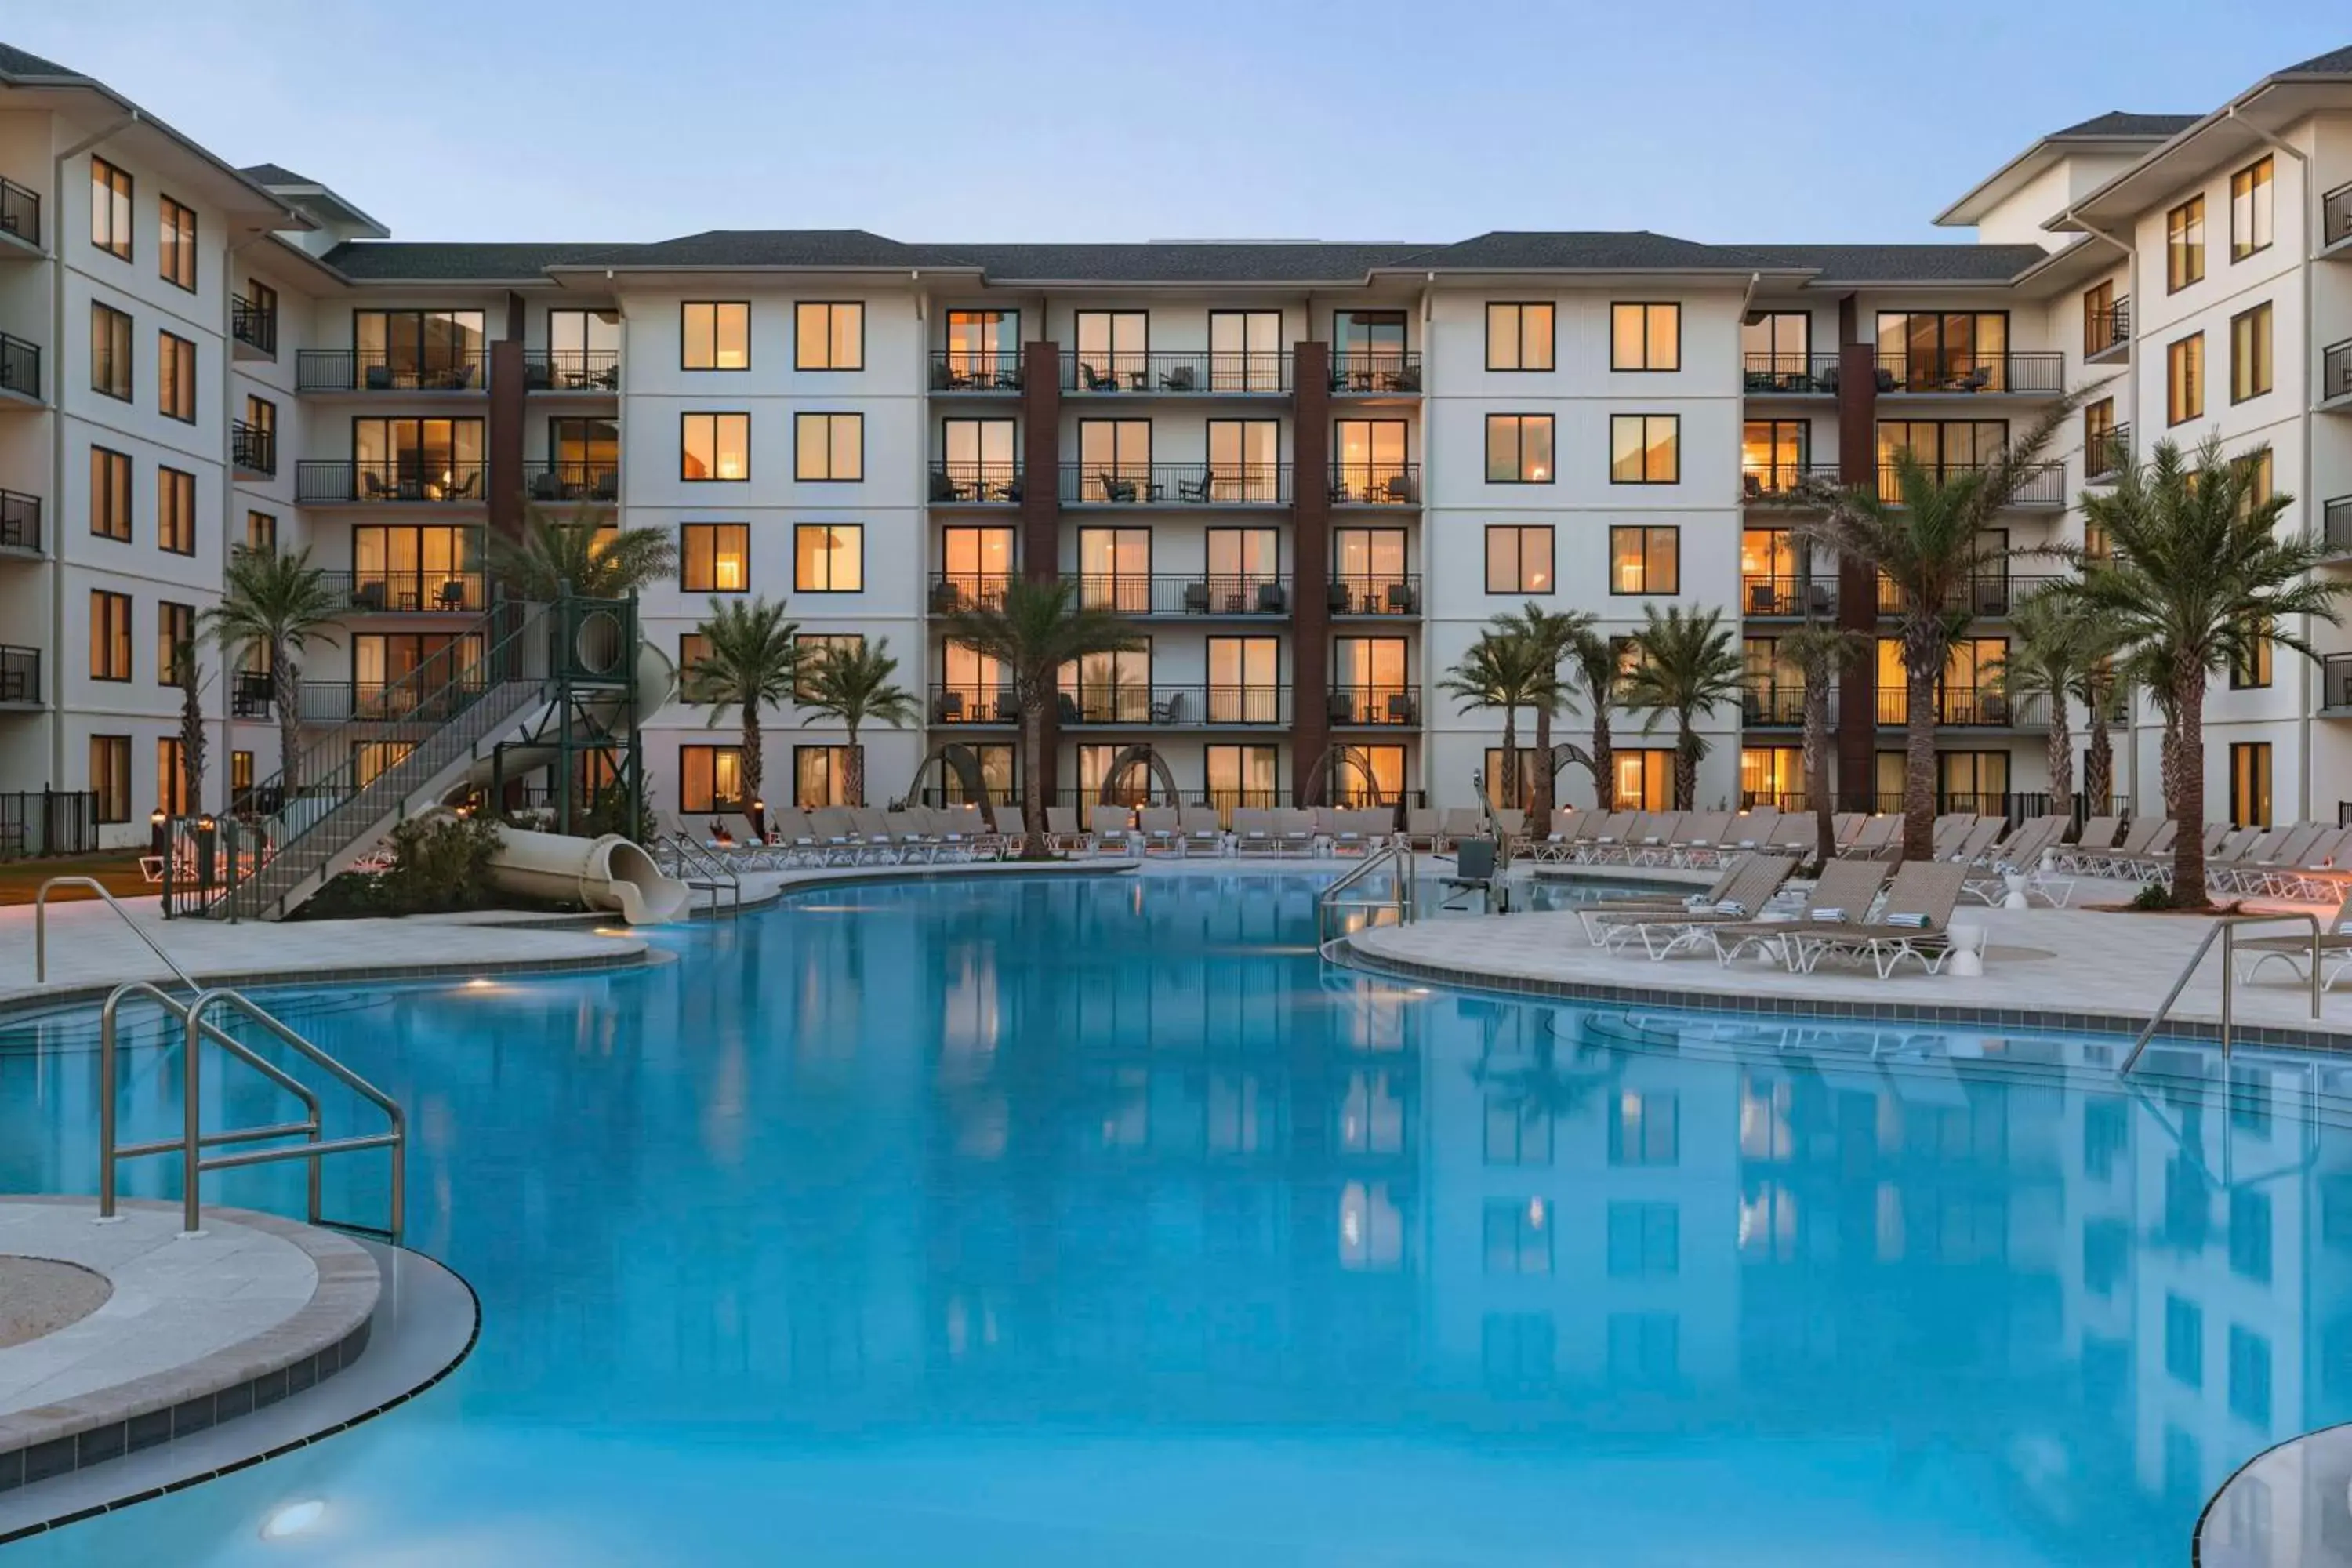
685,361
1645,529
855,528
831,755
2253,317
2179,388
120,472
116,639
1645,306
1674,420
167,646
116,777
122,247
1520,532
1519,336
800,337
2262,209
800,417
813,646
172,518
176,242
121,350
269,520
1521,422
2184,255
687,532
712,804
684,418
174,353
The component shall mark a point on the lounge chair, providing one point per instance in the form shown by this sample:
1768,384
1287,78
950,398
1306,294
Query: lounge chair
1847,826
881,840
1754,884
2025,852
2272,874
2090,846
1158,824
1062,833
1253,831
1423,828
1699,841
1979,840
1653,842
1567,825
913,836
1462,822
1880,834
1842,895
1914,923
1510,825
1795,833
1356,832
2139,834
1294,831
1107,827
1606,837
1753,828
2334,949
1602,913
1197,827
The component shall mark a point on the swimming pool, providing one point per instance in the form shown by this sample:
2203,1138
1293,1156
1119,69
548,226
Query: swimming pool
1088,1221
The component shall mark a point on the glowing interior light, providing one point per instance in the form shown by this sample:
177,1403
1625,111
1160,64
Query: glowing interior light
293,1519
480,984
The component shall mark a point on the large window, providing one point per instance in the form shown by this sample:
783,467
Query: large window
829,448
1519,336
1244,681
1113,349
984,349
1941,446
1928,350
829,557
1519,449
441,349
1645,448
2253,669
1519,558
1377,334
2184,245
110,776
1644,778
585,460
172,777
714,448
974,566
176,259
110,208
1645,337
1369,461
583,348
1108,688
109,636
1245,351
715,557
1115,569
1368,568
715,336
2250,353
175,633
1645,560
815,648
828,335
1773,455
2249,783
1114,458
2251,217
1369,682
1244,460
1776,352
820,774
1241,776
109,494
2184,379
1511,786
428,566
2099,321
710,778
418,459
1772,775
175,510
262,532
1245,566
175,377
110,351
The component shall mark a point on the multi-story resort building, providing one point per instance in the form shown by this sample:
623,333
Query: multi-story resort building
1310,472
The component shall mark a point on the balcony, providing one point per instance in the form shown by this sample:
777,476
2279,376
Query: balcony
20,217
253,451
975,702
392,703
571,370
20,522
2336,526
1765,596
2335,222
1968,708
2106,334
2107,453
967,371
954,590
1376,484
1968,375
975,484
2045,487
409,593
1263,374
2336,378
1992,596
1766,705
1771,481
20,676
1246,595
349,370
326,482
20,368
2336,685
1375,593
1789,376
1176,484
1377,706
252,329
570,480
1172,707
1376,372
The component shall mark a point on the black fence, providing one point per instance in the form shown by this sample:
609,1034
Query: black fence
1178,374
572,478
1375,484
2335,683
976,483
2335,372
1178,484
330,480
1377,706
252,449
2106,329
2335,216
1789,375
20,675
2336,524
1969,371
1374,593
571,370
1375,373
255,326
376,370
20,212
976,370
20,521
1247,595
40,823
409,593
20,366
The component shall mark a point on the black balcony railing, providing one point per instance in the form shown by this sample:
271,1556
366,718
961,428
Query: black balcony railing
1766,705
20,366
571,479
975,702
399,705
1176,484
1375,593
1996,593
1968,708
1789,375
1958,370
2044,486
571,370
1172,707
2336,525
1375,484
409,593
252,449
967,370
953,591
2108,453
2335,372
20,212
255,326
2335,216
2105,330
372,370
975,484
1765,594
20,521
1373,373
329,479
1135,593
1214,374
2335,683
1374,705
1766,480
48,821
20,676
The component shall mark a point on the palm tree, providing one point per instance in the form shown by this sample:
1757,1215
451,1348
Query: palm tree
1689,666
1556,634
1504,669
1820,652
275,604
2197,580
1032,632
2104,685
191,682
577,551
2050,649
750,658
1593,662
1930,534
851,684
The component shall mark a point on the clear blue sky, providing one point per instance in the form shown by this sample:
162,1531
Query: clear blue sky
942,119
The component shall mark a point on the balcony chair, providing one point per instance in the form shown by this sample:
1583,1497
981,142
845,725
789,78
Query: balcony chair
368,596
464,489
373,487
1403,378
1179,378
1976,380
379,378
951,707
546,485
1195,490
1010,491
1196,598
1399,707
453,593
1169,711
1270,599
1399,488
1115,489
1400,599
1340,708
1340,601
1097,380
604,486
946,598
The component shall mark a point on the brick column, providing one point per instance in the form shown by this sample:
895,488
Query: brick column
1311,559
502,479
1857,730
1041,494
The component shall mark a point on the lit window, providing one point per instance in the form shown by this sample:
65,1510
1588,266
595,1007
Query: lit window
1645,337
1520,337
110,352
828,336
2250,353
110,776
176,259
829,558
2251,216
716,337
2184,379
1645,560
1518,559
109,636
710,778
1519,449
1645,448
110,208
715,446
2184,245
175,510
829,448
175,377
1644,1128
109,494
715,557
175,631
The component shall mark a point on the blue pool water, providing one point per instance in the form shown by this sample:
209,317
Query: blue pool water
1092,1222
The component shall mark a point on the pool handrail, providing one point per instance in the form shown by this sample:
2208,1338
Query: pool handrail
41,928
2226,928
1397,853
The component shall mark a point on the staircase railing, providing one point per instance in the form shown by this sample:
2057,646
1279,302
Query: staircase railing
2225,928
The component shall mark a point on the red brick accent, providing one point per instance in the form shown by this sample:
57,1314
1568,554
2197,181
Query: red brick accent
502,483
1857,734
1041,493
1310,554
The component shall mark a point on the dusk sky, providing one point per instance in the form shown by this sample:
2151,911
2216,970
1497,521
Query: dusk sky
1211,119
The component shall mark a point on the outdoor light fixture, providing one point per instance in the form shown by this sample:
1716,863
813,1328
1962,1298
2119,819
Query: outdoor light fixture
294,1519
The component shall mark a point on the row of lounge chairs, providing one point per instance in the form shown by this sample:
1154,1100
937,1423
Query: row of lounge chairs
862,836
1853,913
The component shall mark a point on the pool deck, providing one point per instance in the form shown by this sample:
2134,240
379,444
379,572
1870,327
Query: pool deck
2068,969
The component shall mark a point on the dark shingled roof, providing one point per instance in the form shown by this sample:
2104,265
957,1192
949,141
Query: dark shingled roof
1904,263
2118,125
1175,262
2335,62
275,175
1507,250
14,61
771,247
394,261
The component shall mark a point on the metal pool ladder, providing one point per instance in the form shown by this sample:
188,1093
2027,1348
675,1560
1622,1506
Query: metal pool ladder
193,1017
2226,928
1397,855
705,872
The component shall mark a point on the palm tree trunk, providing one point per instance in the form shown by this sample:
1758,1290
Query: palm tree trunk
286,683
1032,764
1685,766
1604,762
754,771
1817,765
2186,788
2062,759
1919,759
1539,802
1507,793
853,770
2098,766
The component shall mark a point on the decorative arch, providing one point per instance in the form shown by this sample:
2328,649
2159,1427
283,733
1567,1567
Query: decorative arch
1127,757
1316,787
965,763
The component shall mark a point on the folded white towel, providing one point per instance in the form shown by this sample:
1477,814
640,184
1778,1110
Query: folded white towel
1908,921
1731,907
1832,915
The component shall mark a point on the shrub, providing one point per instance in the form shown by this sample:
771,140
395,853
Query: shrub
2152,896
438,863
